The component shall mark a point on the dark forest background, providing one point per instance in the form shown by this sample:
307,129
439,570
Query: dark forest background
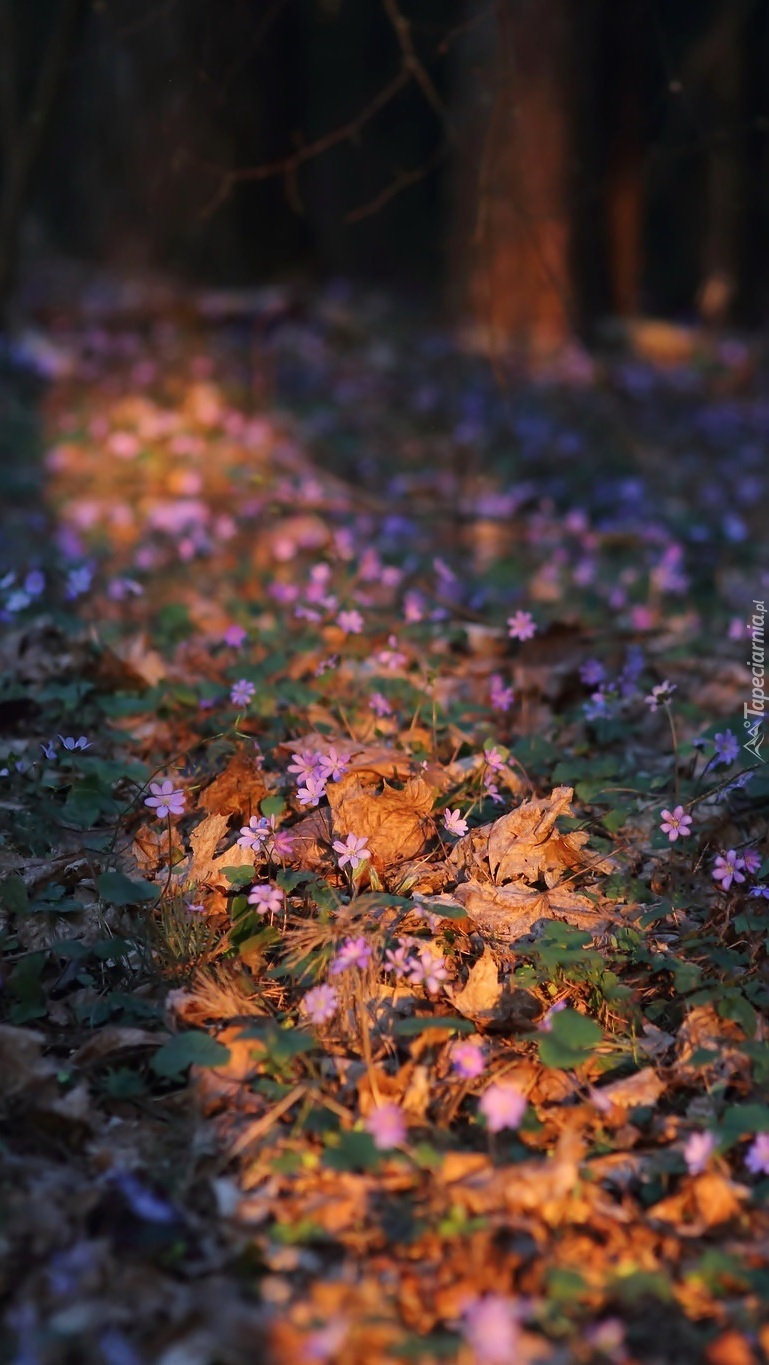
533,164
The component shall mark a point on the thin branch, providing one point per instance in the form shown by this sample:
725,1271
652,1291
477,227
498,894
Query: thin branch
411,62
288,166
403,181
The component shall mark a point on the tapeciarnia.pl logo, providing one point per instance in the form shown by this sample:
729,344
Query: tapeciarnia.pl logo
754,710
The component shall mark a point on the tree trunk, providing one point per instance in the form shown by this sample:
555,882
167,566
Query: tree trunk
513,268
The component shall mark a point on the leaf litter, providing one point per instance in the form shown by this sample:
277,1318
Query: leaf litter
396,1013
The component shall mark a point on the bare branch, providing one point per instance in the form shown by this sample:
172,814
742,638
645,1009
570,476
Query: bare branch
403,181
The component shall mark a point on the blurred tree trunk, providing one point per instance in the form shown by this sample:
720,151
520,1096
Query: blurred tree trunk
623,43
512,260
24,124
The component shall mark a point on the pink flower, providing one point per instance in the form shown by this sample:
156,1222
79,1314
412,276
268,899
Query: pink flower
429,971
234,636
501,697
502,1106
490,1328
757,1155
751,861
380,705
726,869
351,622
521,626
354,952
166,799
468,1060
660,695
331,764
265,898
698,1149
454,822
320,1004
387,1126
313,790
352,851
675,823
242,692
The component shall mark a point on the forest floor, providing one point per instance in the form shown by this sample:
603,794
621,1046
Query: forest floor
383,924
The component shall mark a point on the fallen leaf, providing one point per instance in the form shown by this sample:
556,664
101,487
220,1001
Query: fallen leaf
237,790
487,1000
397,824
510,913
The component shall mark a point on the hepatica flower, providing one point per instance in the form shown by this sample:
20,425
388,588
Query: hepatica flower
502,1106
454,822
254,834
757,1155
751,861
352,851
320,1004
467,1060
698,1149
490,1328
675,823
660,695
71,744
234,636
166,799
387,1126
727,749
354,952
727,869
429,970
351,622
265,898
242,692
501,697
521,626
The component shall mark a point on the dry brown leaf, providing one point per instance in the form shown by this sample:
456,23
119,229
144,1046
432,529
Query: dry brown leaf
112,1039
486,1000
510,913
397,824
237,790
525,845
730,1348
203,840
22,1065
642,1088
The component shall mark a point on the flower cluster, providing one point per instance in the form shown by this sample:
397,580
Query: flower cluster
313,769
730,867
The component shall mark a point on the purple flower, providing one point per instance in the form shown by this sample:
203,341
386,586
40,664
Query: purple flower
675,823
490,1328
254,834
454,822
331,765
726,869
166,799
352,851
502,1106
660,695
234,636
429,971
698,1149
351,622
762,891
751,861
242,692
305,764
265,898
501,697
545,1024
592,673
468,1060
321,1003
49,749
727,748
757,1155
387,1126
281,845
70,743
380,705
398,960
354,952
313,791
521,626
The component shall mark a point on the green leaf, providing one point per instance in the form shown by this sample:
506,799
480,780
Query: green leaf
571,1040
13,895
407,1028
354,1151
743,1120
239,876
117,889
188,1049
272,805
